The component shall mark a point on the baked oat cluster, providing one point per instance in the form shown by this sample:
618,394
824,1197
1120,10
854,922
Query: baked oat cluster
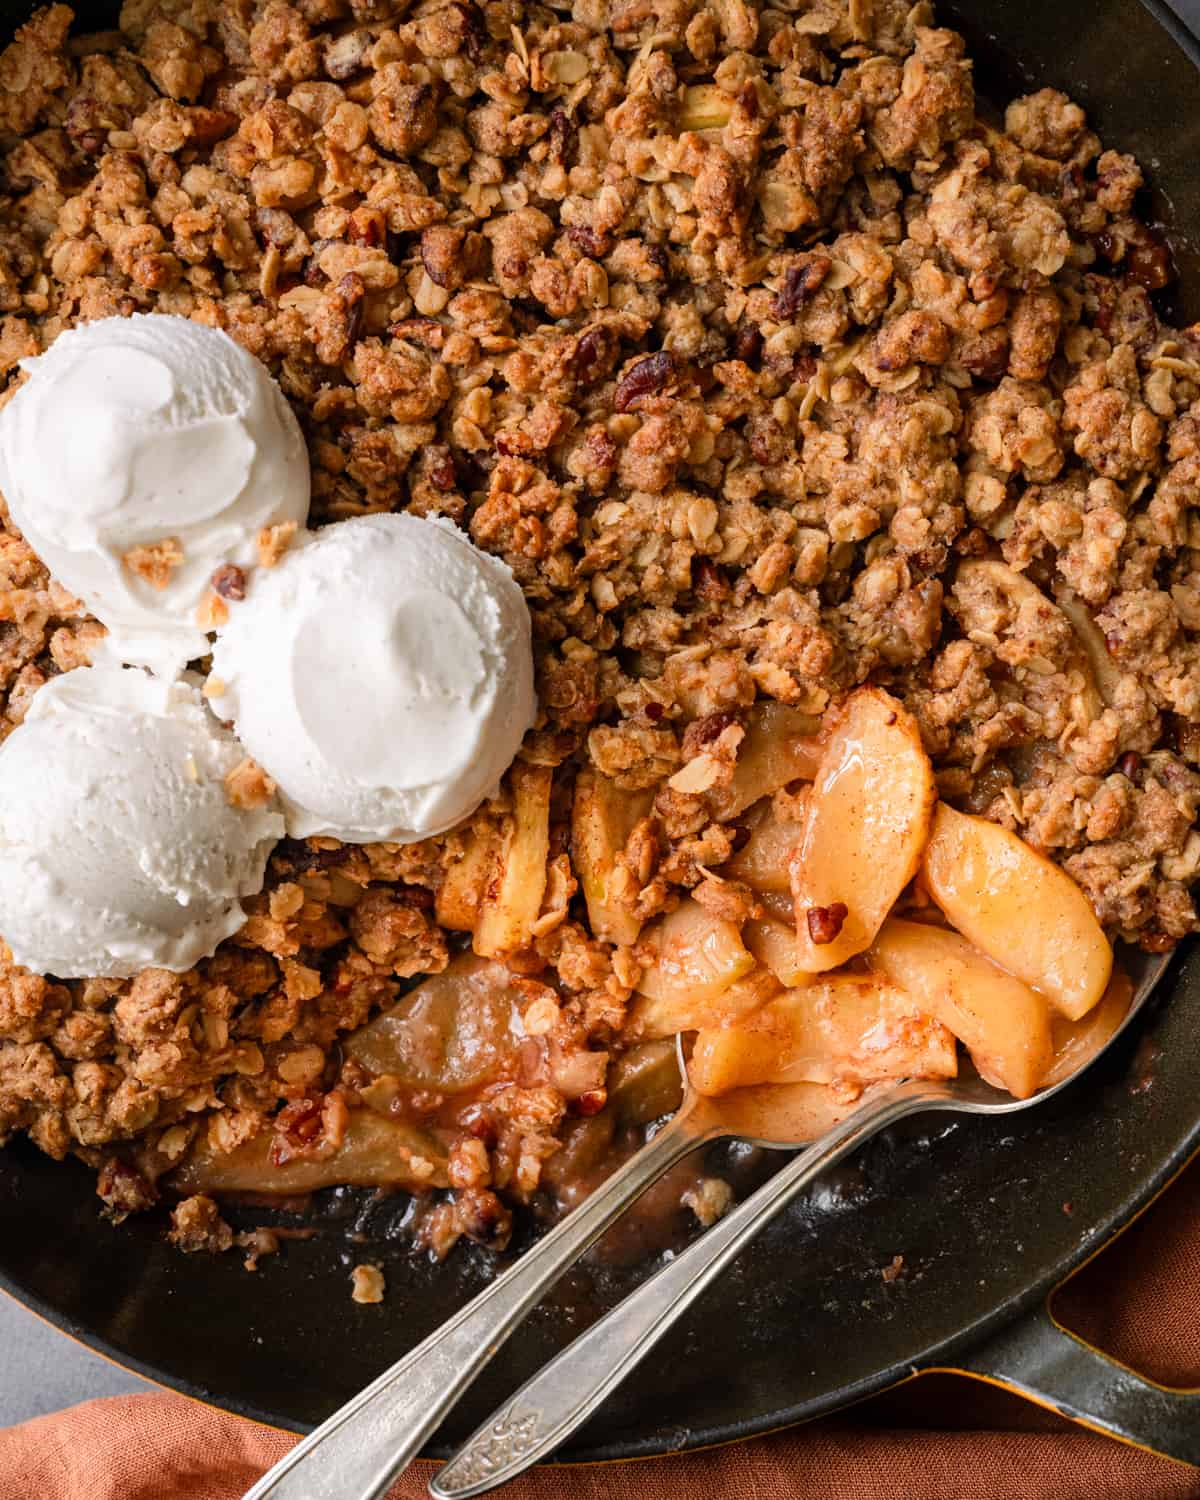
735,332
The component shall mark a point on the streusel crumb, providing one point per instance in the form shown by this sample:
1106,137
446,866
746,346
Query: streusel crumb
273,542
156,562
368,1284
248,786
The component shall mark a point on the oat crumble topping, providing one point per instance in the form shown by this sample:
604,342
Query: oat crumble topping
737,334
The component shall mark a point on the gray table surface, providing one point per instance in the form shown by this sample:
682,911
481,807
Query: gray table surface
41,1370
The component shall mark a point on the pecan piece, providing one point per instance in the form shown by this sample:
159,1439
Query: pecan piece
986,355
646,378
594,354
440,468
825,922
297,1130
799,284
747,345
230,582
441,255
86,125
562,137
584,238
474,29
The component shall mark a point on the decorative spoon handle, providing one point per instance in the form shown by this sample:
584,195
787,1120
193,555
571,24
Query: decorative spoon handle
358,1452
562,1395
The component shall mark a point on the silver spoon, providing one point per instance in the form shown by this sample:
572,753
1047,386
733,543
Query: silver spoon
561,1396
357,1453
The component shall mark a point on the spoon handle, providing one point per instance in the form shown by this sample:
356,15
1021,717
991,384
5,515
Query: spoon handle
357,1453
562,1395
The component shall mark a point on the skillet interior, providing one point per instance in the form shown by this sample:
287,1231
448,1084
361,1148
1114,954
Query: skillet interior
805,1321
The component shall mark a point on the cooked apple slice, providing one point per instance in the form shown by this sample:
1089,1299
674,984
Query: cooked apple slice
602,818
793,1112
781,745
644,1083
375,1152
460,895
1003,1023
695,956
513,897
457,1030
683,1012
845,1028
773,943
1022,911
1077,1042
764,861
1105,672
865,825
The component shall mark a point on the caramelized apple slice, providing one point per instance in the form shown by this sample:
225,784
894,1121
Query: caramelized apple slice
864,828
780,745
1022,911
375,1152
513,897
683,1012
845,1028
456,1030
1077,1042
1003,1024
696,956
773,943
1105,672
602,818
644,1083
764,861
460,895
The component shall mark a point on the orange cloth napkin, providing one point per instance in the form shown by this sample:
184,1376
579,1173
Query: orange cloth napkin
940,1437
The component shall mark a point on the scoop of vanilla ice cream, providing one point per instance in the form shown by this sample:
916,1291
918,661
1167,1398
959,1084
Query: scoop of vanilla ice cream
150,432
382,674
119,847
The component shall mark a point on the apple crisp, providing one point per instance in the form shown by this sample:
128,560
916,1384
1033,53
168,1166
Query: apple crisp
772,370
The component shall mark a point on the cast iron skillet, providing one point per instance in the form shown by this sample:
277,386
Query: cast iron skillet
805,1322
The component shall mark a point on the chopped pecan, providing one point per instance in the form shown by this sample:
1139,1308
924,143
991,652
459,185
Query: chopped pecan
646,378
587,240
709,581
747,345
230,582
87,125
297,1130
562,137
825,922
594,354
441,253
800,282
474,28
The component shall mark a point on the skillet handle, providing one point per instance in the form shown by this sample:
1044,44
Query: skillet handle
1039,1359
